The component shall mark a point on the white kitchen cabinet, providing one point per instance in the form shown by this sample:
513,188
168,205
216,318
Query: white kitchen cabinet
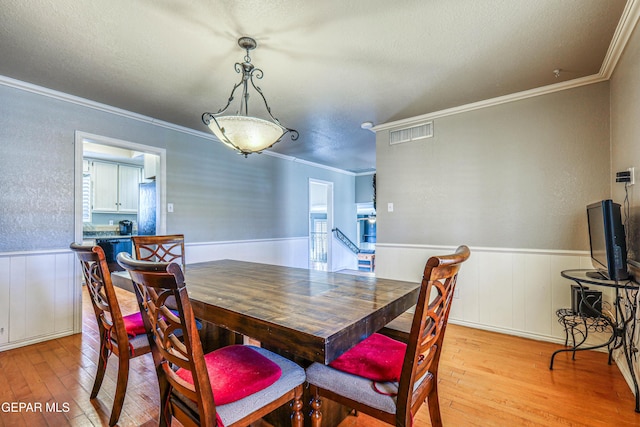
115,187
104,177
151,166
128,188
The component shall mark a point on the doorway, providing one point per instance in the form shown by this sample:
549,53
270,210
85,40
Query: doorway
107,149
320,224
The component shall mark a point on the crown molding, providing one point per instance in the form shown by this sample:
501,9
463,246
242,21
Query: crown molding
626,25
317,165
65,97
544,90
72,99
304,162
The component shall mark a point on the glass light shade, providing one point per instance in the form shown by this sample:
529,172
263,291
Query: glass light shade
248,134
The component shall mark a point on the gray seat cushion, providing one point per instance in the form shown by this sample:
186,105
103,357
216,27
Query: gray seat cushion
354,387
139,342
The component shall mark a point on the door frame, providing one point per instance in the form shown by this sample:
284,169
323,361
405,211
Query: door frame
113,142
328,185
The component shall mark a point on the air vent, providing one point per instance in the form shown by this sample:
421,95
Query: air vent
411,134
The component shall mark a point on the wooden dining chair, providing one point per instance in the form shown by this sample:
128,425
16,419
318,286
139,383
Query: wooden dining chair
387,379
167,248
231,386
123,336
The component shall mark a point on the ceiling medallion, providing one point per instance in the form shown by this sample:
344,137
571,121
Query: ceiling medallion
239,131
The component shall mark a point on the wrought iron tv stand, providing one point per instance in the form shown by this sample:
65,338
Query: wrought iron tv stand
622,324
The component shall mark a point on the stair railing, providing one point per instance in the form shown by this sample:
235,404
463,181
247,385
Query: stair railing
346,241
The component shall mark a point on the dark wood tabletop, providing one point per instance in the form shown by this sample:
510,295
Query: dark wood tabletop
314,315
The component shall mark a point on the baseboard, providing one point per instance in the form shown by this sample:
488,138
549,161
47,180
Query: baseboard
31,341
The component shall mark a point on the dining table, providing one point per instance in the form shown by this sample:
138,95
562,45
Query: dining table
311,314
306,315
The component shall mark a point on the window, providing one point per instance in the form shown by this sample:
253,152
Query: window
86,197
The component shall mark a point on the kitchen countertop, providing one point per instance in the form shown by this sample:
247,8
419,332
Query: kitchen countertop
91,240
108,236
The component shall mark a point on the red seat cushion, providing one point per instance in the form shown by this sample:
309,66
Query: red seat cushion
378,358
133,324
235,372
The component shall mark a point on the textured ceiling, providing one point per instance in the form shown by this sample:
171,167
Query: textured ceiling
328,65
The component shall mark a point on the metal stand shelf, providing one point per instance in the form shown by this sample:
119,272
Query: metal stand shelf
622,327
578,324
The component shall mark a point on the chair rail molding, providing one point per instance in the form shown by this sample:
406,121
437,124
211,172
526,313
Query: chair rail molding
507,290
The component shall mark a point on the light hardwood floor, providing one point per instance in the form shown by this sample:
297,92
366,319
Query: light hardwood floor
486,379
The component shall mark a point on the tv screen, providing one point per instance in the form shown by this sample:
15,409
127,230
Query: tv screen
607,240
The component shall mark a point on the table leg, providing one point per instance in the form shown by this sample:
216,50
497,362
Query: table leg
214,337
332,413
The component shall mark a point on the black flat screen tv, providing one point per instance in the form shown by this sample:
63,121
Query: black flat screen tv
607,240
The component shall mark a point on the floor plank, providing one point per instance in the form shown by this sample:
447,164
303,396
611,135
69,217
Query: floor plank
486,379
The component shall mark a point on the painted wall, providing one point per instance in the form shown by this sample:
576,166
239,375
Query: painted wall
217,194
512,182
364,188
253,209
625,153
515,175
625,134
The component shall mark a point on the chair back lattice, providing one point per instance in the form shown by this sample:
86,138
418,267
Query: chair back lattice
175,342
428,328
168,248
97,278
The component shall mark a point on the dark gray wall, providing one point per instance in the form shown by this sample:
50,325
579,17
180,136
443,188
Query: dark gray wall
217,194
516,175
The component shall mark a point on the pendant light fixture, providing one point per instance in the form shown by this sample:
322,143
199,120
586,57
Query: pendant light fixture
240,131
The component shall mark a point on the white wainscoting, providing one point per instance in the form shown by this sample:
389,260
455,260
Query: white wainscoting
290,252
40,297
41,291
342,258
511,291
